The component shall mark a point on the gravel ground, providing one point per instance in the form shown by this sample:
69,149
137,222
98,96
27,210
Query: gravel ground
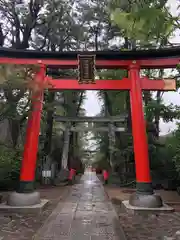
19,227
151,226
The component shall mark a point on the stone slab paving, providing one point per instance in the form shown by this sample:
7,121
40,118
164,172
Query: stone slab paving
87,214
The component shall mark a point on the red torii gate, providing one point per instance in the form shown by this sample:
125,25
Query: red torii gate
133,62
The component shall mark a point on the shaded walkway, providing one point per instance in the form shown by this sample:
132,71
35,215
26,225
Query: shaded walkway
87,214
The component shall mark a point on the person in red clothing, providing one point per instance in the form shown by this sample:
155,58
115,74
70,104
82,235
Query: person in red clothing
72,174
105,176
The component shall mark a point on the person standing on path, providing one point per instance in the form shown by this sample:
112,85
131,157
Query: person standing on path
105,176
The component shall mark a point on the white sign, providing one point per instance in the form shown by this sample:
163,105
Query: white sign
46,173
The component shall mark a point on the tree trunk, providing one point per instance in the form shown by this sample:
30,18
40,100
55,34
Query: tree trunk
62,176
15,131
46,159
65,153
111,133
49,123
157,113
75,109
112,141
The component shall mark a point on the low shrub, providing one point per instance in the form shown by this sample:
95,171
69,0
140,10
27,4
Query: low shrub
10,161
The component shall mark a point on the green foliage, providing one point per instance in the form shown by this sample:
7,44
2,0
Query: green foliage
9,167
174,148
145,21
17,75
101,162
167,113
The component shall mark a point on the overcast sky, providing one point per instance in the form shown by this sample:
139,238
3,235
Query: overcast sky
92,105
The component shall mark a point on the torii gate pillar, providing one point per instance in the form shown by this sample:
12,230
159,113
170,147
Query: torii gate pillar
144,196
25,194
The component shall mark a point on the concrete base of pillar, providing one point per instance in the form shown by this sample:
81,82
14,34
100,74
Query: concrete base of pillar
145,200
145,210
32,209
23,199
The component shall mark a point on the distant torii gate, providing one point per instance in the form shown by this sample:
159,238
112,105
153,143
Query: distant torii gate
133,61
111,129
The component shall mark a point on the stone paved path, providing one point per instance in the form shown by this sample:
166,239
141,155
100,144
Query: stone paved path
87,214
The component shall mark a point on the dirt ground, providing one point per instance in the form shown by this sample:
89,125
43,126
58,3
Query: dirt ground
154,226
18,227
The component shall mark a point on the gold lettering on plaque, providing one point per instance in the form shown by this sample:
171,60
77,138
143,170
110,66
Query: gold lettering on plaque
86,69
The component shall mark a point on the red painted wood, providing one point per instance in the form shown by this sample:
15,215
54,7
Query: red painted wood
32,135
159,63
69,84
102,64
153,85
123,84
139,128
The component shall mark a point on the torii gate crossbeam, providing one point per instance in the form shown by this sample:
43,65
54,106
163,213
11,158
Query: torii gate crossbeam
123,84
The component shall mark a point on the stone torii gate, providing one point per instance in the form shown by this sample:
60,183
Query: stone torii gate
111,129
133,61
